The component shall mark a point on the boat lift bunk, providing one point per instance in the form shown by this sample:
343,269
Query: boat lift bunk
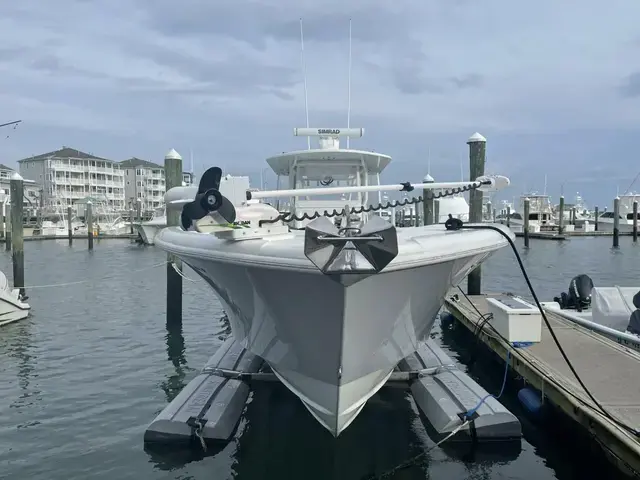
209,408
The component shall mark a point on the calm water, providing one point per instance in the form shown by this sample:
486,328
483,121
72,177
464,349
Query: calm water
82,378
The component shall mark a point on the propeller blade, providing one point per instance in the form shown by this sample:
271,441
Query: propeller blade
208,200
185,220
227,210
194,210
210,179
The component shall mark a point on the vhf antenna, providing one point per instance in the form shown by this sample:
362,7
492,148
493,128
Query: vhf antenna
349,86
304,76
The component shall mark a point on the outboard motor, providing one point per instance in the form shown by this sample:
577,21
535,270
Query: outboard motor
634,319
579,294
453,223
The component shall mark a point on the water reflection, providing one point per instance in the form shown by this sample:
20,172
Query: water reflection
19,347
282,440
174,338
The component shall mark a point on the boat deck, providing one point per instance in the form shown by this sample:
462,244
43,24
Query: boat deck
609,370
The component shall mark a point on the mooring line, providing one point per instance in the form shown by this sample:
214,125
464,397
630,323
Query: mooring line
88,280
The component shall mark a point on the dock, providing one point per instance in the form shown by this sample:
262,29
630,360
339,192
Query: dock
543,235
126,236
599,233
608,369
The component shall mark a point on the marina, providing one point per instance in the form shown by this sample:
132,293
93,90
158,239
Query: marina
50,384
353,317
222,230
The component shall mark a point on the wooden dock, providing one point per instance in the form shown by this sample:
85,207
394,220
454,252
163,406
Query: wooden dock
125,236
599,233
543,235
609,370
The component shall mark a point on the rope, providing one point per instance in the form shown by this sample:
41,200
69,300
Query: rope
412,461
88,280
470,413
289,217
179,272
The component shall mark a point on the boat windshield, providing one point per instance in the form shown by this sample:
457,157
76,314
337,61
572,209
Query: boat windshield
318,176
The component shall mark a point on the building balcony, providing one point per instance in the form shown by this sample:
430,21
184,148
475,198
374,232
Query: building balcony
63,167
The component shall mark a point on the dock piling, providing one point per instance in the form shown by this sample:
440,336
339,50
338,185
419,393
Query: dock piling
561,216
436,212
173,178
527,206
17,239
489,211
477,158
139,208
508,215
69,226
7,233
635,220
595,220
131,221
428,204
88,214
3,220
616,222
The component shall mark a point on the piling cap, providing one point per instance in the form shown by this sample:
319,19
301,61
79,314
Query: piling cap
16,176
428,179
172,155
476,138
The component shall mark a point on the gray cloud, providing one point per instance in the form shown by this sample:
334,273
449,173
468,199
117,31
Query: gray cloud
8,54
631,86
471,80
254,22
235,75
224,78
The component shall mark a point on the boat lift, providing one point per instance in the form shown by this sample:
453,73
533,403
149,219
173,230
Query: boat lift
209,408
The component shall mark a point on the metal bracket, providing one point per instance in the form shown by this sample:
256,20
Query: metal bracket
350,250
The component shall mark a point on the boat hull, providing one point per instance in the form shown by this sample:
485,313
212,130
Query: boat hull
606,225
148,232
11,308
332,345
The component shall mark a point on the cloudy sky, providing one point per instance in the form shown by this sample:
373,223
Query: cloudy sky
554,86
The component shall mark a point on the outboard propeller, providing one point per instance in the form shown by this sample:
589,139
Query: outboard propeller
208,200
579,295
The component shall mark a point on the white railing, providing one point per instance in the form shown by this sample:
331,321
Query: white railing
63,167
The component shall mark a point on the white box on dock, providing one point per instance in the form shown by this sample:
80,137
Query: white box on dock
515,319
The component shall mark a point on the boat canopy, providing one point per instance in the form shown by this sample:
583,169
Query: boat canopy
373,162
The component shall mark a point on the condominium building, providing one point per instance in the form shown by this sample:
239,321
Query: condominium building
32,191
145,183
68,175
